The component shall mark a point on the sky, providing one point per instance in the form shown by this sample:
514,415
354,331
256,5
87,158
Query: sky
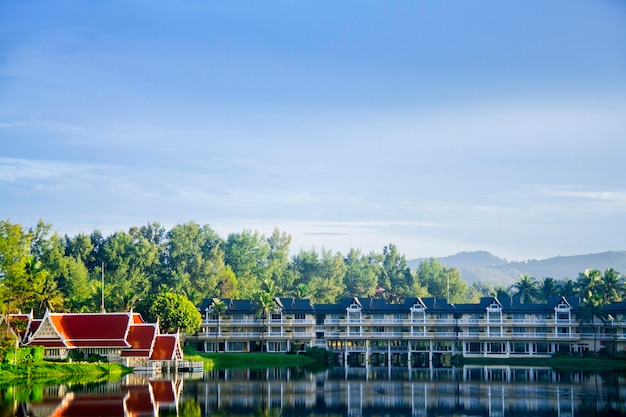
436,126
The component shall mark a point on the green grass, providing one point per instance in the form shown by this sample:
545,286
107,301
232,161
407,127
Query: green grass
52,371
249,360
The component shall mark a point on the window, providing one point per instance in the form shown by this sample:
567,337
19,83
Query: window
276,316
560,315
300,316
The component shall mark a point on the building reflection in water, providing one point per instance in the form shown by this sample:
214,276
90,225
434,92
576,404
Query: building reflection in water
480,391
373,391
135,396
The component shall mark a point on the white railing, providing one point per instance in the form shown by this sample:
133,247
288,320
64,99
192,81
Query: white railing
303,334
469,334
303,321
243,334
242,321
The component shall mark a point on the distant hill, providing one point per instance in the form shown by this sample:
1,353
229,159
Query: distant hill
484,267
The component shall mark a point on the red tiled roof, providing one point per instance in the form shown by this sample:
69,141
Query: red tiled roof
165,347
137,319
140,338
50,343
34,325
109,326
86,330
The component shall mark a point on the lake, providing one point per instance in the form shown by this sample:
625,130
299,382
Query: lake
373,391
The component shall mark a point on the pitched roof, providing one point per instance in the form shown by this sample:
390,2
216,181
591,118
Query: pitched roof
84,330
90,329
166,348
141,339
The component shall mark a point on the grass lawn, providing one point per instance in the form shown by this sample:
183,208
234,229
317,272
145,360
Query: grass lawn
52,371
249,360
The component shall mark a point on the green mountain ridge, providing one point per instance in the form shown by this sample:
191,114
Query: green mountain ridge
482,266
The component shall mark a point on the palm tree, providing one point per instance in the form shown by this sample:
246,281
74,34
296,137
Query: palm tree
613,286
589,282
526,288
567,288
547,288
301,291
218,308
265,303
593,308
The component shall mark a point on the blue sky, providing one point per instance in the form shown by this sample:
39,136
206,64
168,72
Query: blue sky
439,126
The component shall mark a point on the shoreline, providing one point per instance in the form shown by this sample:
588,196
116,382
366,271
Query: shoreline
55,371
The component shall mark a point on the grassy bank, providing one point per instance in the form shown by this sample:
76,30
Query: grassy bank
561,363
249,360
52,371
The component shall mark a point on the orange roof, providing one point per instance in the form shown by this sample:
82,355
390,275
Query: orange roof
166,348
137,319
140,338
110,326
87,329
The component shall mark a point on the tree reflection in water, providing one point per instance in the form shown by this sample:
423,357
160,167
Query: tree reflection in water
373,391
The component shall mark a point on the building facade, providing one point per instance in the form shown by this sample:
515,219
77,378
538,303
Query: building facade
420,332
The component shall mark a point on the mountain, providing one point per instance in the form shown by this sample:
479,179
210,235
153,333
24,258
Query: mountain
484,267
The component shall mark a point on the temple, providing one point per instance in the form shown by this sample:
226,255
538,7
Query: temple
123,338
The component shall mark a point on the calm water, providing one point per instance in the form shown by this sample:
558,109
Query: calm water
467,391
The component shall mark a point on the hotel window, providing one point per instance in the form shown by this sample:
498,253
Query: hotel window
560,315
276,316
495,315
300,316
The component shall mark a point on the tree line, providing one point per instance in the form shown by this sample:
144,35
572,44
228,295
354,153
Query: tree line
41,269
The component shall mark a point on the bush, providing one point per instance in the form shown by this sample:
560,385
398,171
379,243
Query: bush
321,356
96,358
25,355
76,356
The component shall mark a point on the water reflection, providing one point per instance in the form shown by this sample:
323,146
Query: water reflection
135,395
373,391
467,391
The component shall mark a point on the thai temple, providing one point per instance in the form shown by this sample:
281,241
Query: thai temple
123,338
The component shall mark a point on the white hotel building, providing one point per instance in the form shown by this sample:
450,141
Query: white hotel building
420,332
